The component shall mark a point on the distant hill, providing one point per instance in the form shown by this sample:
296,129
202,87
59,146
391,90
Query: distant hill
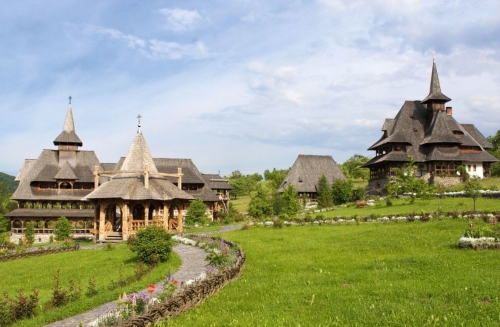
9,180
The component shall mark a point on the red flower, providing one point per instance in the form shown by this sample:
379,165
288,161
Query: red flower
175,282
151,288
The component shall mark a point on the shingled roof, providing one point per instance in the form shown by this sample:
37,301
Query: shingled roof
307,171
46,169
435,93
68,135
428,133
129,183
216,182
191,176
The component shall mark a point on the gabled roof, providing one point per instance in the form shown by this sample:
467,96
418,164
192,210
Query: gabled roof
191,175
216,182
307,171
68,135
476,134
435,93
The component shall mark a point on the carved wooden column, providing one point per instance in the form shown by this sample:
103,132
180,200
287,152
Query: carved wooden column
124,209
146,215
165,215
180,227
102,223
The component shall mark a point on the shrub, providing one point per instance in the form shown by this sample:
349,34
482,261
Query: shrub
29,232
152,244
341,191
358,194
197,212
63,229
278,223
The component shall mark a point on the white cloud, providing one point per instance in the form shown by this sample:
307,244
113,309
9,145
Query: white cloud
274,81
173,50
132,41
181,20
155,49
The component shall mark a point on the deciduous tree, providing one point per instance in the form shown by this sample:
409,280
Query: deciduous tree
260,205
472,188
63,229
352,167
341,191
405,181
197,212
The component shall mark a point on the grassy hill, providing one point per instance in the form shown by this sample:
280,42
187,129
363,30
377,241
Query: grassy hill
9,180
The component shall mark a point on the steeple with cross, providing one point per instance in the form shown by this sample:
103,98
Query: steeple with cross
139,123
70,97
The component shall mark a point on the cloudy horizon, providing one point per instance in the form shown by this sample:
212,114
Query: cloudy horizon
238,84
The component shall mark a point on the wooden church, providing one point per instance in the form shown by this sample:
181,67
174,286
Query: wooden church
109,201
427,131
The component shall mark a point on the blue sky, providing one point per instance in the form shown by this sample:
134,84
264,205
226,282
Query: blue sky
237,84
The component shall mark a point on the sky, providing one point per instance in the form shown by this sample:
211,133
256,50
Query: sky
242,85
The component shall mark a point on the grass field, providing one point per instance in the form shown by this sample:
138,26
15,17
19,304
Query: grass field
392,274
403,206
79,266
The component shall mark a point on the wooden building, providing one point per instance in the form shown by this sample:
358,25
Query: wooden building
427,131
306,173
110,201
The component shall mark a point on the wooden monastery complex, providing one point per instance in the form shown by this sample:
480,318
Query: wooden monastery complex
427,131
110,201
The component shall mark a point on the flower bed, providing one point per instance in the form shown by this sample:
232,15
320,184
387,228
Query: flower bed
481,236
189,293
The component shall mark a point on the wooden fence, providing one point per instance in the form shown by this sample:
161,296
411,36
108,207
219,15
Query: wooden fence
189,296
37,253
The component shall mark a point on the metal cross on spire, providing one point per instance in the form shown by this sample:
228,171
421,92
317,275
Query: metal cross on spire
139,123
433,55
70,99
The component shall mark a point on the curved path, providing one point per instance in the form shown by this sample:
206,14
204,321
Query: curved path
193,263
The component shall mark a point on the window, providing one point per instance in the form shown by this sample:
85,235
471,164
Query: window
474,168
468,167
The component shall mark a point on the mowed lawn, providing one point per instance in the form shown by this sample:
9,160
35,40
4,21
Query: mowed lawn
103,266
391,274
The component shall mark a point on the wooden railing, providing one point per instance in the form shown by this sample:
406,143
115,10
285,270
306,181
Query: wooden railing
51,230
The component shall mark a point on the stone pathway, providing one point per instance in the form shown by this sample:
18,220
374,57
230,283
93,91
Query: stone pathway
193,263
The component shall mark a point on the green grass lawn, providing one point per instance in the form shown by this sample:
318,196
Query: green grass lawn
392,274
241,203
79,266
403,206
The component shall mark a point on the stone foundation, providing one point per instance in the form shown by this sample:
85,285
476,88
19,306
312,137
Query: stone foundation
446,181
376,186
45,238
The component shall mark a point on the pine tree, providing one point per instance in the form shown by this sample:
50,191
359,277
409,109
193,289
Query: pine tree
324,193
